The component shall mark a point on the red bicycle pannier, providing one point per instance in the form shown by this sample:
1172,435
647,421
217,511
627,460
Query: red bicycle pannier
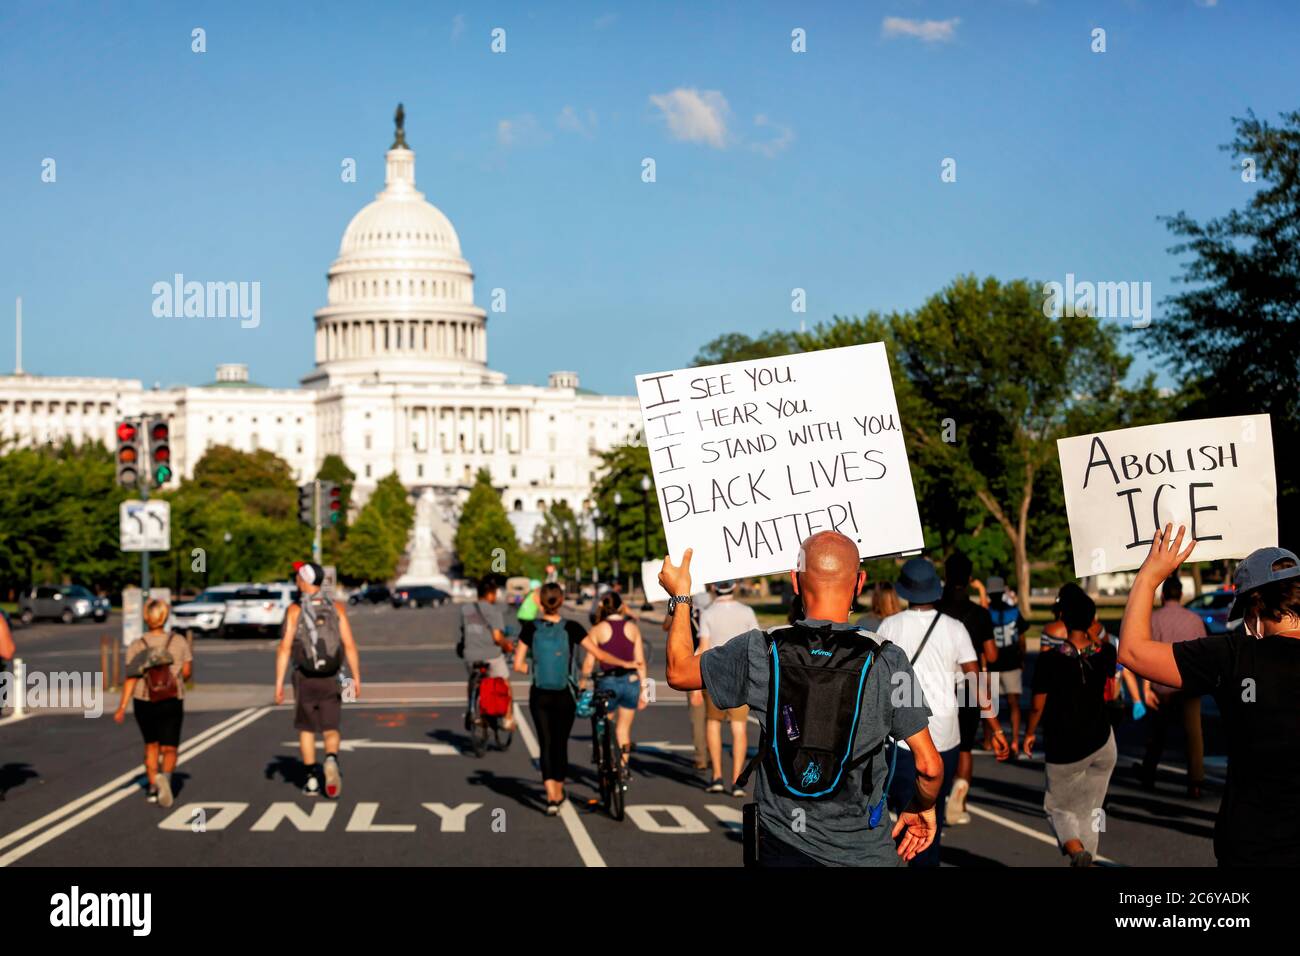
494,697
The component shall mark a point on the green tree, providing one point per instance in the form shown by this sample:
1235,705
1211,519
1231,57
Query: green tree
378,538
485,538
986,383
620,472
1232,333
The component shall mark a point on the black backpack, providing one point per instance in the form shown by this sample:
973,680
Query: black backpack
814,701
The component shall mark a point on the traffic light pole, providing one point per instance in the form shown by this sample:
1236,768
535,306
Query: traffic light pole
144,555
316,515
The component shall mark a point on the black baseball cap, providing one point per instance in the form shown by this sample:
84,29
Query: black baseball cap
1260,568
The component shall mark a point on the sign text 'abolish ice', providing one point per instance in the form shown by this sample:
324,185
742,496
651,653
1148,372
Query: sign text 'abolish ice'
1214,476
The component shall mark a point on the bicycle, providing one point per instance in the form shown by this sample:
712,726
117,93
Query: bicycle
610,770
479,724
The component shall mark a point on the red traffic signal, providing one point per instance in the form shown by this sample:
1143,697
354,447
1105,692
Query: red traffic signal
128,455
126,431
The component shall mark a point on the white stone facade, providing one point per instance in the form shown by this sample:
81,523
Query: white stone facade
401,383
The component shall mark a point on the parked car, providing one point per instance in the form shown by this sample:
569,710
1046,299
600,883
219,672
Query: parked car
259,609
1212,608
203,616
61,602
374,594
420,595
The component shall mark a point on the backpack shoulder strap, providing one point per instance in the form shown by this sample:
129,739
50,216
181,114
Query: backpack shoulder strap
928,631
764,739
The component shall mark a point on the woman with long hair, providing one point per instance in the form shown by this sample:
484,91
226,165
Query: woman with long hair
884,603
159,663
546,647
620,638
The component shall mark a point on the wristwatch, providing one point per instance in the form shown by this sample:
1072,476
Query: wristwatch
677,599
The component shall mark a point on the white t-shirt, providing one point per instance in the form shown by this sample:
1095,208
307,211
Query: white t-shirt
723,619
948,648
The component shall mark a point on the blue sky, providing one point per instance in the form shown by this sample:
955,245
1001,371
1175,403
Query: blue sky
774,169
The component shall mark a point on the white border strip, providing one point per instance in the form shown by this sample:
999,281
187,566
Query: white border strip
118,790
572,822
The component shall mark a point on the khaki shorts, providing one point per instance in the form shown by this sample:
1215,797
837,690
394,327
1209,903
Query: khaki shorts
712,712
1010,682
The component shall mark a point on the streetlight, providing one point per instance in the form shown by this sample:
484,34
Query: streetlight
645,536
618,527
595,551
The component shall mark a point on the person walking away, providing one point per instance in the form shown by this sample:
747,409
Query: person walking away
960,604
1172,623
940,652
884,602
1009,631
546,649
483,638
159,663
801,815
1070,703
317,638
1253,672
723,620
620,639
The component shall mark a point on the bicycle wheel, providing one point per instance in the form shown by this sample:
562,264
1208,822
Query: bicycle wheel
618,794
478,733
503,737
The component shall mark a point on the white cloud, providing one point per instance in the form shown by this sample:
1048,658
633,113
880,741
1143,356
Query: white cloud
457,26
570,121
696,116
522,130
928,31
782,137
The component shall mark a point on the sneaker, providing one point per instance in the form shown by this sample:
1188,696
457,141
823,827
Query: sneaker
1082,858
164,796
737,791
333,779
552,808
956,808
716,786
152,795
312,787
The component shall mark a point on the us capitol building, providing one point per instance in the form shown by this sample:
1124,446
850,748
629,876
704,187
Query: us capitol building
401,384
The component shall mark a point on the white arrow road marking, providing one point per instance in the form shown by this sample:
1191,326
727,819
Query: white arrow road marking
435,750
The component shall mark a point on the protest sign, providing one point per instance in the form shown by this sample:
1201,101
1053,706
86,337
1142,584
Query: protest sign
750,458
1214,476
654,591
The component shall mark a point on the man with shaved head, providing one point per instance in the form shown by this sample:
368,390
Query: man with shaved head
830,820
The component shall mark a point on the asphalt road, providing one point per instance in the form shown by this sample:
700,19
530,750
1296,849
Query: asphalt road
73,795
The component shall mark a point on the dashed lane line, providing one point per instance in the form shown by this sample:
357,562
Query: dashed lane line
117,790
572,822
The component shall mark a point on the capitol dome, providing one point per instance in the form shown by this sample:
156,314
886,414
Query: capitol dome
401,295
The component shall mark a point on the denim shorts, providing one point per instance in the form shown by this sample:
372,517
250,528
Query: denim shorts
626,689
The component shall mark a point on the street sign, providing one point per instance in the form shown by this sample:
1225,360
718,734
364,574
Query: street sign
145,526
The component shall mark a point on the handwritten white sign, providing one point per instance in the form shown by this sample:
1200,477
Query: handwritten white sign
1214,476
750,458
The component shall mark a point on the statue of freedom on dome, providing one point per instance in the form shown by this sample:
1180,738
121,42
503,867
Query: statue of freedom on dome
400,119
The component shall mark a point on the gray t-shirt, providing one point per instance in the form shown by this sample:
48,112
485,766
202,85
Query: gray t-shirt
835,832
477,621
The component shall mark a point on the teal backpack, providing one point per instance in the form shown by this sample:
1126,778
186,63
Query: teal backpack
552,656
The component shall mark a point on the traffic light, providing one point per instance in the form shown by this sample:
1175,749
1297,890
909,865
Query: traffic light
160,451
305,505
332,503
128,455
